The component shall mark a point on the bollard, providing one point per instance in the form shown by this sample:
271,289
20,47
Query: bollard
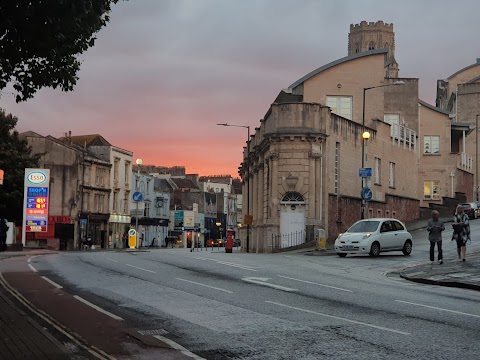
321,240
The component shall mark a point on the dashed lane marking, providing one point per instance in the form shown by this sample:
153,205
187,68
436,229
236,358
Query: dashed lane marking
98,308
179,347
437,308
339,318
314,283
52,282
208,286
31,267
139,268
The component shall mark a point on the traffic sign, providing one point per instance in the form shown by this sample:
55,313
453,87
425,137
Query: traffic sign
365,172
137,196
366,194
132,238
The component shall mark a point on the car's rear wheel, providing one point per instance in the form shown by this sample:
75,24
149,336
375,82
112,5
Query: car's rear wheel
341,254
407,248
375,249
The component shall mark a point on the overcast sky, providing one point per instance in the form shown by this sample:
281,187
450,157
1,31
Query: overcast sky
163,73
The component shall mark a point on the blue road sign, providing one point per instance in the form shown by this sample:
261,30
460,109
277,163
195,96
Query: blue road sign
365,172
137,196
366,194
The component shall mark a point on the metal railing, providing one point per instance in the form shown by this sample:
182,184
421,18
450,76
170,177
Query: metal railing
465,162
288,239
403,135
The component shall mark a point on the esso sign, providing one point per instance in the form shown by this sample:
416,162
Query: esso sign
37,177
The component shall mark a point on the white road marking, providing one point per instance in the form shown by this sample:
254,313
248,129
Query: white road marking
244,267
108,313
263,282
176,346
211,287
52,282
340,318
136,267
111,259
314,283
437,308
31,267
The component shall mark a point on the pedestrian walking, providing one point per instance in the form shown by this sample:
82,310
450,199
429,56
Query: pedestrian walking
435,227
461,232
3,234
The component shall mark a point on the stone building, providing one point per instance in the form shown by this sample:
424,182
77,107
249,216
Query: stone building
304,159
79,191
117,205
459,96
370,36
445,165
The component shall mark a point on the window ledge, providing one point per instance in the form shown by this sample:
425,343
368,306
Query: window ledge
428,154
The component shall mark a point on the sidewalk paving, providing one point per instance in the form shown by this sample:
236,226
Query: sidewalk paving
21,337
452,273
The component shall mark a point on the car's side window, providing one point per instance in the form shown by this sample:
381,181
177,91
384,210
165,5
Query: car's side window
397,226
385,226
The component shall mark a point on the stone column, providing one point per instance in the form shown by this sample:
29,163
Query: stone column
312,190
260,185
274,194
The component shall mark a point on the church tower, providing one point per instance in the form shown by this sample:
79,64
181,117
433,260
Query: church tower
370,36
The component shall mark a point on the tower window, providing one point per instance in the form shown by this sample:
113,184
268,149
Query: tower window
371,46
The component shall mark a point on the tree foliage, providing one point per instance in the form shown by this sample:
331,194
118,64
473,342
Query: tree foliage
15,156
40,41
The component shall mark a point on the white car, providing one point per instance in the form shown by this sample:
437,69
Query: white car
373,236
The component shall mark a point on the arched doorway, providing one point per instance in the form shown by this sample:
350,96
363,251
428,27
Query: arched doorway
292,219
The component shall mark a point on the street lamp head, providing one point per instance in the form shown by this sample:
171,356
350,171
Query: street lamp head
366,135
138,161
218,223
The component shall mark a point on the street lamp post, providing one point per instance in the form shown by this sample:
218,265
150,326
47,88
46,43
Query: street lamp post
247,188
399,82
476,155
138,162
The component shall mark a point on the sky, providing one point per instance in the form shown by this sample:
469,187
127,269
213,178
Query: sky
163,73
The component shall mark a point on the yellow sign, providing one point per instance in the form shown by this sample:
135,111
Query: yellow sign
132,238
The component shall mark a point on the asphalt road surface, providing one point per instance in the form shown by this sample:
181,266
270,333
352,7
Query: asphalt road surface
273,306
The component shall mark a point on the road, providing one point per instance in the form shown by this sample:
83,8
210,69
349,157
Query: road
273,306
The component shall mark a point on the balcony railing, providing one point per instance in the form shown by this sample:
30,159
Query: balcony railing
465,162
403,136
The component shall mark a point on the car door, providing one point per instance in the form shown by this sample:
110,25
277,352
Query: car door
387,236
399,235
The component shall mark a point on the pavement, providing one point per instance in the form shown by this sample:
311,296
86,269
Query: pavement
451,273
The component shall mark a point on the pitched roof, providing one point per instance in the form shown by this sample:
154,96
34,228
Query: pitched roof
465,68
434,108
337,62
90,140
184,183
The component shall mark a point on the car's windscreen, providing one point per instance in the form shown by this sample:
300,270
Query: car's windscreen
364,226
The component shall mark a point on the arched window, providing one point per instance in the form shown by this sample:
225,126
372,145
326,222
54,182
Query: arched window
292,197
357,48
371,46
386,46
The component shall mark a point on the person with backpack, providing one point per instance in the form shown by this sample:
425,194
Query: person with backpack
461,232
435,227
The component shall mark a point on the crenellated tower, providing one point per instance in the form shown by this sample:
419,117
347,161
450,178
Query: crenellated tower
374,35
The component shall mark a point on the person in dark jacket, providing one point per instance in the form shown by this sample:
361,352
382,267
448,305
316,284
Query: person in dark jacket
3,234
435,227
461,232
